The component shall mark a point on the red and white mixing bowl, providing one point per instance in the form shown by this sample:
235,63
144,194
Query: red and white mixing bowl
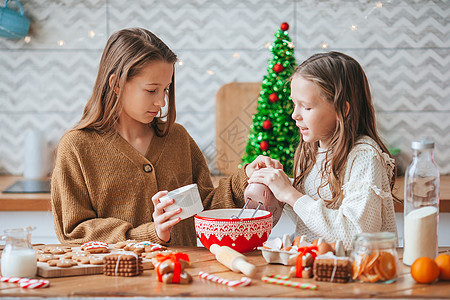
243,234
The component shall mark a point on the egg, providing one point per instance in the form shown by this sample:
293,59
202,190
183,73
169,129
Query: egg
324,248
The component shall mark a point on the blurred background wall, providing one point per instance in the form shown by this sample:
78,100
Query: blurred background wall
404,46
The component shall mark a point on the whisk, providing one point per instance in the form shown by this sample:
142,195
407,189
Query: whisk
243,208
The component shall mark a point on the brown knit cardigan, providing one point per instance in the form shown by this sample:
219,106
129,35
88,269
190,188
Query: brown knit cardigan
102,187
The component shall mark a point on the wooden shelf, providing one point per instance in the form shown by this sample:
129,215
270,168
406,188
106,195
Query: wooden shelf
41,201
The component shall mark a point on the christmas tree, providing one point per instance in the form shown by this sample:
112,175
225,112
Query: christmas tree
273,132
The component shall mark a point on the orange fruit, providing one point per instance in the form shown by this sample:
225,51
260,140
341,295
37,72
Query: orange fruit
387,266
424,270
443,262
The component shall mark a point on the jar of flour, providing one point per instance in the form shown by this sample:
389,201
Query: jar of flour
421,204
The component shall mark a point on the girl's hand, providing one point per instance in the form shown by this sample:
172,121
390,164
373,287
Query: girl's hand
279,183
163,225
262,162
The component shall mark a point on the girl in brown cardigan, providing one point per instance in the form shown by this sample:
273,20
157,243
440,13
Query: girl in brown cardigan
122,157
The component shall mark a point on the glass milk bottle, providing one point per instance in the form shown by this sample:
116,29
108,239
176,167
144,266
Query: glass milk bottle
18,257
421,204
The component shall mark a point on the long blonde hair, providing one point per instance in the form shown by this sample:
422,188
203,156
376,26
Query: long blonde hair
341,80
126,53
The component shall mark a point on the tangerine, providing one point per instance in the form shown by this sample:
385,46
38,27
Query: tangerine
443,262
424,270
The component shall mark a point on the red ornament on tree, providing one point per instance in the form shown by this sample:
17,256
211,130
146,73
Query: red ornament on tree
278,68
273,97
267,124
284,26
264,145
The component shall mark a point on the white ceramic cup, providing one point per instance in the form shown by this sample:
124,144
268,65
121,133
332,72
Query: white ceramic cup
188,198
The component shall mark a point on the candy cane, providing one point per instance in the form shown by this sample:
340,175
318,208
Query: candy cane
35,284
281,280
27,282
243,282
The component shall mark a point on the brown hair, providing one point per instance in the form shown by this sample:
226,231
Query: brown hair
341,80
126,53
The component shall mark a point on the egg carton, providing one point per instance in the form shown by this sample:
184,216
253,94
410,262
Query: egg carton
281,251
272,256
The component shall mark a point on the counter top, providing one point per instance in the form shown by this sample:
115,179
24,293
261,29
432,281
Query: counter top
22,202
41,201
147,285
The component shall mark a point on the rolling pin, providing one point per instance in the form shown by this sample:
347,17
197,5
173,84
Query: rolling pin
233,259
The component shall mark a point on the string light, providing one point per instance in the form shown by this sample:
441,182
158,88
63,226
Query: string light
353,27
210,72
180,62
27,39
267,45
91,33
324,45
236,55
379,4
61,43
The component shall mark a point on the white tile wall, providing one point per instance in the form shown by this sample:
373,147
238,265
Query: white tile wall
404,47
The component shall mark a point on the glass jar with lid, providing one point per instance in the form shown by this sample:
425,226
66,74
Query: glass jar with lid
421,205
374,257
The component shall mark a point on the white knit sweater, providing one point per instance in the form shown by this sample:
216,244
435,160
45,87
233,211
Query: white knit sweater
367,205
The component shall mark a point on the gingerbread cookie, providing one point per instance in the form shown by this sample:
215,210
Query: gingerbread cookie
57,250
150,255
331,268
62,263
307,272
93,243
185,277
122,264
121,245
170,267
80,257
95,247
151,247
96,260
45,257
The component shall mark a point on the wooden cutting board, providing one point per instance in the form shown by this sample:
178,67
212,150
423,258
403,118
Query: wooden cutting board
44,270
236,104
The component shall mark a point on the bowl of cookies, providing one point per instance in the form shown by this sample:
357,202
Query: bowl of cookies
240,229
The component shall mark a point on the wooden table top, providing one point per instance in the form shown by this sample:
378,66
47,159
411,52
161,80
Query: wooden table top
41,201
146,285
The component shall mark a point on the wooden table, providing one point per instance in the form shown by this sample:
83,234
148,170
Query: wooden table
147,285
41,202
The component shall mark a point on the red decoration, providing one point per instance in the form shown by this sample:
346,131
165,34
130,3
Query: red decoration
264,145
174,257
299,262
284,26
273,97
278,68
267,124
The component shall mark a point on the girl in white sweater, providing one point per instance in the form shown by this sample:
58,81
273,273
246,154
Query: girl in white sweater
343,173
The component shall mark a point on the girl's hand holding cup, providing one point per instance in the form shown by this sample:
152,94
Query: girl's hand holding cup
162,218
174,206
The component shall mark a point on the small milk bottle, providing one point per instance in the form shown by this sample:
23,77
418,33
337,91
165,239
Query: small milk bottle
18,257
421,204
